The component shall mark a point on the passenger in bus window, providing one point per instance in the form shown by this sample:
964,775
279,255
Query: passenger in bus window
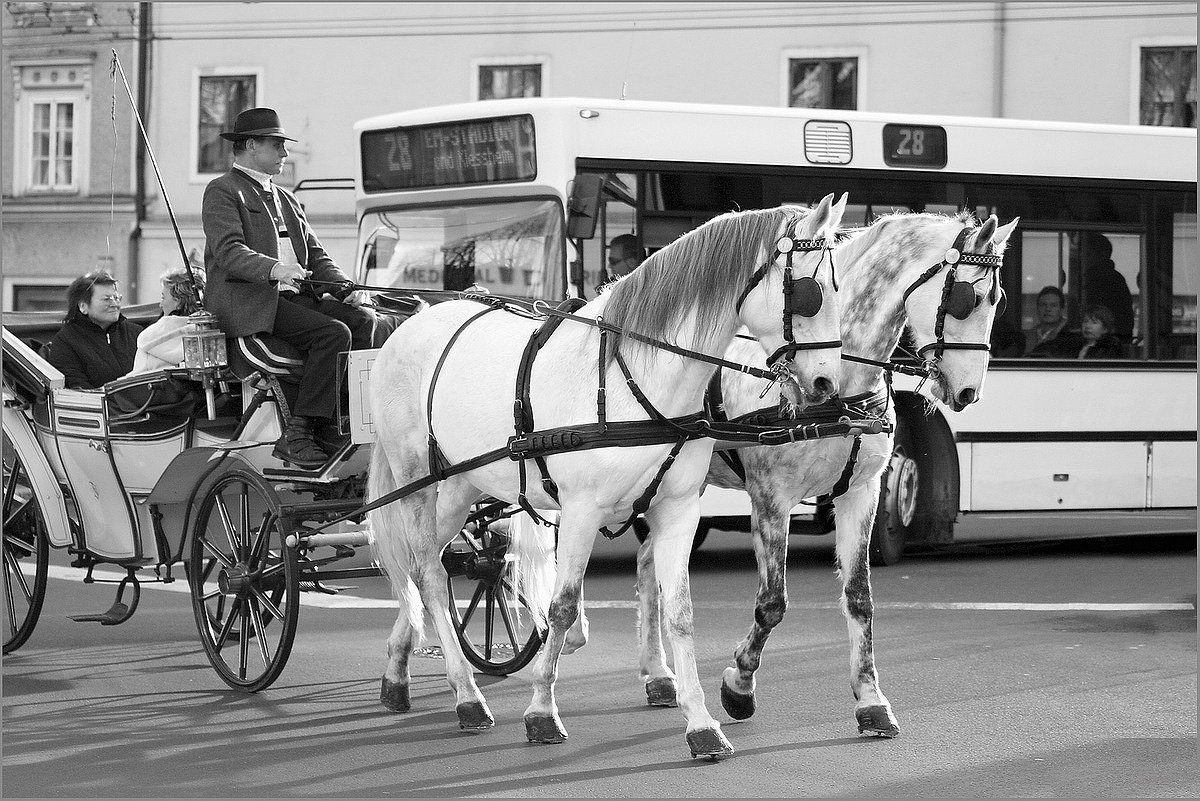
96,342
269,274
624,254
1098,338
1041,339
1103,285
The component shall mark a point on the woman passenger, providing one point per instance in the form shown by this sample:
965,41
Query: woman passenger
96,343
1099,339
161,344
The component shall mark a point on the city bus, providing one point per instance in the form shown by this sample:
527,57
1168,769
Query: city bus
522,196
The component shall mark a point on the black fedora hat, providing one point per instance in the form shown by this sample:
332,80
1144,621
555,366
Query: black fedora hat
256,122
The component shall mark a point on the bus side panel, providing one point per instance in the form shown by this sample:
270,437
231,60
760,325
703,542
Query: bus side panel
1058,475
1173,474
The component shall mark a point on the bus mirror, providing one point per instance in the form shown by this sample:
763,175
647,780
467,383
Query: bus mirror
583,207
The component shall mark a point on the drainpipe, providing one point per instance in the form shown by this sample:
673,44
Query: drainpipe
998,62
139,161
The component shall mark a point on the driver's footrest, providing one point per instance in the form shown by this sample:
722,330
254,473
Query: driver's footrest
327,589
116,614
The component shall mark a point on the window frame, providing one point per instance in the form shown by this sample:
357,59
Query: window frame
542,62
26,95
790,54
199,73
47,282
1137,45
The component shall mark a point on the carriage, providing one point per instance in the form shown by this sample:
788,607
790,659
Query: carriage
168,476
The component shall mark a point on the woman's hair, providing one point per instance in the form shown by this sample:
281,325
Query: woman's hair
179,284
1102,314
80,291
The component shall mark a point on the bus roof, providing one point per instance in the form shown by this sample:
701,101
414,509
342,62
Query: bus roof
638,130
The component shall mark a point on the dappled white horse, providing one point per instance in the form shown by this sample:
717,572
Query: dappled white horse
442,394
940,274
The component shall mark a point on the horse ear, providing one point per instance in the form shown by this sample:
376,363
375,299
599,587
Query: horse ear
819,215
1000,238
986,231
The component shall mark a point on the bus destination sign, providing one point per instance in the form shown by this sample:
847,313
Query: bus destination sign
449,154
914,146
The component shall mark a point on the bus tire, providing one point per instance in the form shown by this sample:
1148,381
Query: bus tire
897,507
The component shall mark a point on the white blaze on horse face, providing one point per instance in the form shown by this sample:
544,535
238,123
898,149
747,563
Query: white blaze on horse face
814,372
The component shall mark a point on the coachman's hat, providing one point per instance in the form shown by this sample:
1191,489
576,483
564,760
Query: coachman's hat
256,122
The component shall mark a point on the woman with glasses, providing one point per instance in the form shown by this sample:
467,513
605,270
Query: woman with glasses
96,343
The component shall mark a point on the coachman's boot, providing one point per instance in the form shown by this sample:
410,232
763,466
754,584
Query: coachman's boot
297,445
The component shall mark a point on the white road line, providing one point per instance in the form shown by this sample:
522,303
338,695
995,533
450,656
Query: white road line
344,601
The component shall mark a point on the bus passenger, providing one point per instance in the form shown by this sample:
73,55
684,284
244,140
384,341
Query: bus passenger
160,345
1052,319
1098,338
259,244
1104,286
96,342
624,254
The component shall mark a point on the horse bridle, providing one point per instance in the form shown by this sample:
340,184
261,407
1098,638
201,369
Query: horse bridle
801,297
959,298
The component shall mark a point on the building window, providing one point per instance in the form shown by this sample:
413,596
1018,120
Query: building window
221,99
38,297
509,80
823,83
1168,86
52,152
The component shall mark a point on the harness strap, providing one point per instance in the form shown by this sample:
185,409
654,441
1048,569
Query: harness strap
437,461
714,406
643,503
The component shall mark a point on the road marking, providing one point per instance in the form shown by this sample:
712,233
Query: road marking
344,601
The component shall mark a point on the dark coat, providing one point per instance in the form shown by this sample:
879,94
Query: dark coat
1106,347
241,248
90,356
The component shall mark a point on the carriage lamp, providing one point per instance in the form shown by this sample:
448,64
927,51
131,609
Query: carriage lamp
204,353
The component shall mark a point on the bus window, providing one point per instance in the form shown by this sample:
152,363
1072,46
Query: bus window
511,248
1183,288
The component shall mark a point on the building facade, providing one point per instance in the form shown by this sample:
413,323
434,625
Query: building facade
324,66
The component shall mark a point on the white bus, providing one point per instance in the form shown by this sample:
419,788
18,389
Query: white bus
522,196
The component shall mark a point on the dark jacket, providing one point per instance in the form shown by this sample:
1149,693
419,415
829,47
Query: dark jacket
1106,347
88,355
241,248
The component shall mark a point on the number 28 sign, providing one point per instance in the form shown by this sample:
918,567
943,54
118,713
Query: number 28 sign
914,146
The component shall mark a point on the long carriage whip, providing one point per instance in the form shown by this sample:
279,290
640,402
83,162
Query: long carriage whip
116,68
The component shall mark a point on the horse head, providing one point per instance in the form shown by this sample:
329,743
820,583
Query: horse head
951,307
790,304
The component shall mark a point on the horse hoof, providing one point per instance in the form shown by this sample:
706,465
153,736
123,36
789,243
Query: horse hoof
474,715
544,729
739,706
661,692
877,721
394,695
709,743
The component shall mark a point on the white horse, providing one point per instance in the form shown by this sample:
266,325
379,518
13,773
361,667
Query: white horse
902,268
443,389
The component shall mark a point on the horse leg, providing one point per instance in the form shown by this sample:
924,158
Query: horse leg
577,635
854,513
769,524
454,499
576,534
658,677
673,523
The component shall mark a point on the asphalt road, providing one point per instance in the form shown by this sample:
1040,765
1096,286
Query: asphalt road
1015,669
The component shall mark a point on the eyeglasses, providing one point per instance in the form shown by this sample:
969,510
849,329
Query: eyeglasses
117,299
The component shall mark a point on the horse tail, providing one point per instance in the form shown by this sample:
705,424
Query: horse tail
531,546
389,542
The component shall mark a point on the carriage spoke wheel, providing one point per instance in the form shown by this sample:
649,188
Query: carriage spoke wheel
26,552
494,624
244,582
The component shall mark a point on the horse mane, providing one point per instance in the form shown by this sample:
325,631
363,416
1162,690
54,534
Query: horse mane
858,240
702,271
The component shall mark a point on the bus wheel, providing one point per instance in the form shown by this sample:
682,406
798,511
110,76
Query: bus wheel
641,530
897,501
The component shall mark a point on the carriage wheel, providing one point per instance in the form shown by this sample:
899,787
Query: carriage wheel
494,623
244,582
897,501
26,552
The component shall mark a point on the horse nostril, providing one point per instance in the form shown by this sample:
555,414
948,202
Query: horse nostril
967,396
823,386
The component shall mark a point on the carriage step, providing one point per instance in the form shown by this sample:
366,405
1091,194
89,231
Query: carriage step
327,589
119,612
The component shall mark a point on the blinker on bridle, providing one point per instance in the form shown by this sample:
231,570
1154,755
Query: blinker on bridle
959,298
802,296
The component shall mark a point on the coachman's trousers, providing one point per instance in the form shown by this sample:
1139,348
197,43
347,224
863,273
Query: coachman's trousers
320,329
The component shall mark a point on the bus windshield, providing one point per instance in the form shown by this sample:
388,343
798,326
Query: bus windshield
510,248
